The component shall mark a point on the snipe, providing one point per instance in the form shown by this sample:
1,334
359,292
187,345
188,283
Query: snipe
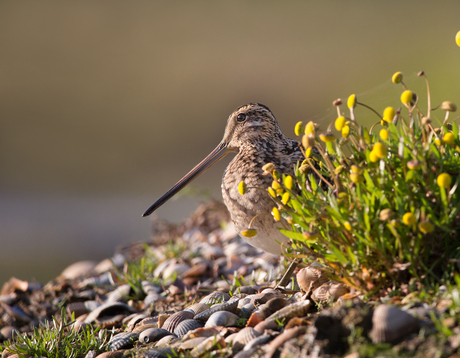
252,132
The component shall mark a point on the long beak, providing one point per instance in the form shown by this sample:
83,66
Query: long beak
213,157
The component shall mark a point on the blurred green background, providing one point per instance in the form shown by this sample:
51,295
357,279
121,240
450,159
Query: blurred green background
104,105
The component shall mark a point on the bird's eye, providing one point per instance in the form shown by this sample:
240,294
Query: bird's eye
241,117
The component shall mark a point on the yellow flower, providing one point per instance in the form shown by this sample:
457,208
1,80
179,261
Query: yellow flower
384,134
449,138
426,227
276,213
351,103
406,97
444,180
285,198
272,192
339,123
347,225
249,233
356,169
242,188
356,178
380,150
276,174
457,38
409,219
298,128
288,182
389,114
276,185
397,77
338,169
327,137
308,152
310,128
373,157
437,141
414,164
345,131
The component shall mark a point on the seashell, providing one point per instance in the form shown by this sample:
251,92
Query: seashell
264,325
266,310
247,310
151,298
229,306
263,297
8,332
205,332
263,339
172,322
78,269
123,340
250,290
149,321
310,278
390,324
329,291
8,298
134,320
215,297
166,341
81,308
187,326
197,270
298,309
139,329
159,352
15,313
285,336
120,294
222,318
91,354
174,269
109,309
191,343
115,354
197,308
153,335
243,337
150,288
208,344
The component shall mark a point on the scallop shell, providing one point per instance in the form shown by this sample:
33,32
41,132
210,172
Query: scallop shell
229,306
208,344
263,339
120,294
186,326
390,324
173,321
244,336
222,318
310,278
153,335
123,340
295,309
197,308
215,297
134,319
329,292
159,352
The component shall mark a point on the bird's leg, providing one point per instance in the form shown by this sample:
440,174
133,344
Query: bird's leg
287,275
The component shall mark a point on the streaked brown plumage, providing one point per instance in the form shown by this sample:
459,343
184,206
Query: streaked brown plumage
252,132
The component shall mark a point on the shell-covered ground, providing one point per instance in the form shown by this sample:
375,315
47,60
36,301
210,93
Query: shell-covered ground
197,290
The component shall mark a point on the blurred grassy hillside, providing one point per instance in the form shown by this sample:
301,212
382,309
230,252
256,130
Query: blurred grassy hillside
104,105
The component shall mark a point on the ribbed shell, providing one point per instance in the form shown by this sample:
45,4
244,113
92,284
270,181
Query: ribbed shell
215,297
173,321
245,336
229,306
123,340
197,308
295,309
187,326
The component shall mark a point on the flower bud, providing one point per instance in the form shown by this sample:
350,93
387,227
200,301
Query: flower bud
448,106
339,123
409,219
276,213
397,77
298,128
242,188
444,180
249,233
351,102
386,214
327,137
406,97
